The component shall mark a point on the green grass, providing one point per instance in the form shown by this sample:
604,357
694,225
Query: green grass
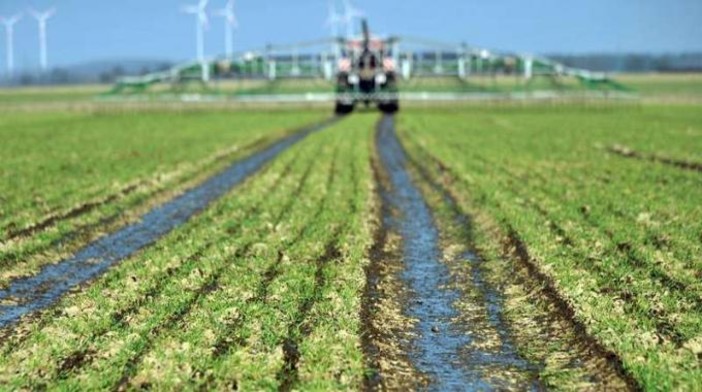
75,170
619,237
263,290
276,267
665,86
14,96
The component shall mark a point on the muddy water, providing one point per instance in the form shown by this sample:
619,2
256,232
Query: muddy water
444,349
40,291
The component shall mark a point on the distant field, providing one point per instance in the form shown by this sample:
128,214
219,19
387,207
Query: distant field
651,87
23,95
665,86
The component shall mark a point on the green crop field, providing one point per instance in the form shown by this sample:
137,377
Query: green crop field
505,246
65,173
617,237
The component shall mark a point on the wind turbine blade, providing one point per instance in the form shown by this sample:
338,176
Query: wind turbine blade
14,19
204,20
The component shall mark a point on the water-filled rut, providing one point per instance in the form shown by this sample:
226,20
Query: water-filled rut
37,292
452,353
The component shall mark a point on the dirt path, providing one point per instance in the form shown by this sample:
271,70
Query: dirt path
27,295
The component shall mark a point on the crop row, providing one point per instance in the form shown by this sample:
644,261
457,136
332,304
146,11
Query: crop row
262,290
617,237
112,183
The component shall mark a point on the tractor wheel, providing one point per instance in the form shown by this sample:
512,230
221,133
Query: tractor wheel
343,109
390,107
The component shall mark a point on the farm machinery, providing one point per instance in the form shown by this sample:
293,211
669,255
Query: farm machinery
366,74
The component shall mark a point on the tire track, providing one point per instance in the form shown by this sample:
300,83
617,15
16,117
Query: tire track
541,284
635,301
77,359
52,219
11,257
436,350
214,283
119,318
42,290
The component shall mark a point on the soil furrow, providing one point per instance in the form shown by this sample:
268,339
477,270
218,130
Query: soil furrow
225,343
288,376
74,212
53,281
627,152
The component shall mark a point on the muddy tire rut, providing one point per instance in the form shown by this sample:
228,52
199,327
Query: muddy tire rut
439,317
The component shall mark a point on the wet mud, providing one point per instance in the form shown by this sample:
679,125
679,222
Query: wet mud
450,352
26,295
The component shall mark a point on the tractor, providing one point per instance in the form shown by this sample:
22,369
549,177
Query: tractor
366,75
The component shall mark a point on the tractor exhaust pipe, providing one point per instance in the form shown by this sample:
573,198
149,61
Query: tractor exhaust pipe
366,34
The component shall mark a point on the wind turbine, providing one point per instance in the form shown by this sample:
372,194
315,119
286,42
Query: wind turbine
230,23
10,31
334,20
201,23
350,13
42,18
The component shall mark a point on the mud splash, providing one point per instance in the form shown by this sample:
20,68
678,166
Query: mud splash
42,290
439,350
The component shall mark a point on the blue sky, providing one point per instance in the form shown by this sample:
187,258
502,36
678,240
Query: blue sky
86,30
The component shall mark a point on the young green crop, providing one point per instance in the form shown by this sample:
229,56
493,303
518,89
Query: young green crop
619,237
66,178
261,291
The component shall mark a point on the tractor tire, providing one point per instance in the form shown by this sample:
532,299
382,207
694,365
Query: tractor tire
390,107
342,109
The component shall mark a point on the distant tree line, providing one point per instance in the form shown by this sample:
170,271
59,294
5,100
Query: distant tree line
686,62
86,74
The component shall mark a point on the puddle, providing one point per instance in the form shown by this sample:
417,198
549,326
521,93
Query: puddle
42,290
443,348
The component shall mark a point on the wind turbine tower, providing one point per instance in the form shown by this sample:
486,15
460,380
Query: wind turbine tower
201,23
350,14
42,18
334,20
230,23
10,33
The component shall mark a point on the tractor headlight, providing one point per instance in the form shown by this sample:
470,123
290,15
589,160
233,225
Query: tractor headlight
380,79
354,79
